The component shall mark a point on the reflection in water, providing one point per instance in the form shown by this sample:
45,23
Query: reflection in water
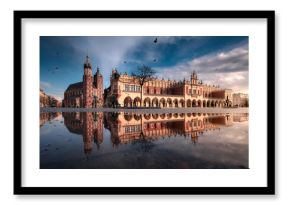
127,127
132,140
48,116
88,124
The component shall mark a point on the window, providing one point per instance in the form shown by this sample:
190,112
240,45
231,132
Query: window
127,129
133,88
133,128
126,87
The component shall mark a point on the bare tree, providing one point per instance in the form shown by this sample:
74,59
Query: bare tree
143,74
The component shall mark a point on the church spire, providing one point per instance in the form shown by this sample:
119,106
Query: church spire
87,62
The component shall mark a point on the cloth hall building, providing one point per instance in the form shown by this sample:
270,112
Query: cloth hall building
125,91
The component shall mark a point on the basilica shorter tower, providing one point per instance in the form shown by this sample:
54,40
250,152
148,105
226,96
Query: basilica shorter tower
89,92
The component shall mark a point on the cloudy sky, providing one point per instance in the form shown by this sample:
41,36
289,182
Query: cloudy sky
219,60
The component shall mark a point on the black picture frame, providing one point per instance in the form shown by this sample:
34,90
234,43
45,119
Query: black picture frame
268,190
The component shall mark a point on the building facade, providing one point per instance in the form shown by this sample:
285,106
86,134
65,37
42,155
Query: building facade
125,91
47,100
87,93
240,100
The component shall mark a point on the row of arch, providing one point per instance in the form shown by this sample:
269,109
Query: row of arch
155,116
147,102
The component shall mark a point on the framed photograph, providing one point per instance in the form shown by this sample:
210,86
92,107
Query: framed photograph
144,102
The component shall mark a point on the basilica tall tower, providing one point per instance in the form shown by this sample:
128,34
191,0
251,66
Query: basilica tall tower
98,84
87,84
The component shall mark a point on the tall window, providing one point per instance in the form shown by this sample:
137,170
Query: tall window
126,87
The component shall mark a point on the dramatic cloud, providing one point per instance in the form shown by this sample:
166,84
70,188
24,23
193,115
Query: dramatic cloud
106,52
229,69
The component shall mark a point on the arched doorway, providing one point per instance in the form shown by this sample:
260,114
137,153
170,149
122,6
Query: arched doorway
175,102
204,103
208,103
155,116
188,103
128,116
137,102
147,116
216,103
194,103
147,102
137,117
181,102
155,102
162,102
199,103
169,102
128,102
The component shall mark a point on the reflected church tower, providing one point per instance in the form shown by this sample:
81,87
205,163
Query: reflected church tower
98,128
88,131
87,124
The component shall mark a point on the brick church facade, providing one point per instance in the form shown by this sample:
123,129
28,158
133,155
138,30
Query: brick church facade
88,93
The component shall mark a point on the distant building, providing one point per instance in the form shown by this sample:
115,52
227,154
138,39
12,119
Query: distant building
125,91
48,101
87,93
44,99
240,100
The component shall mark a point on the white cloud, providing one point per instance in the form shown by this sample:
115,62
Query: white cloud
45,85
58,98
